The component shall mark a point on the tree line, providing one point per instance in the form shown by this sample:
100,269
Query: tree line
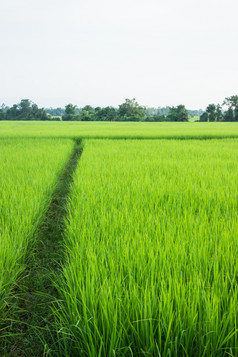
215,113
25,110
130,110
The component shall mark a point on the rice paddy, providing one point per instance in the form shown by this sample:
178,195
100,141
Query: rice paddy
149,252
119,130
151,242
28,175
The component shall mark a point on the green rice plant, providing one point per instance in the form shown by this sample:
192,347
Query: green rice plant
29,169
151,251
119,130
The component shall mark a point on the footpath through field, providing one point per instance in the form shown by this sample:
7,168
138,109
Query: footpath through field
28,318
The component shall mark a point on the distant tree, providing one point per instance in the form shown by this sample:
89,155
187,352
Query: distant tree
204,117
12,113
3,108
163,111
2,114
55,111
213,113
211,110
71,113
195,113
105,114
159,118
229,115
219,113
70,109
236,114
178,113
130,110
25,110
232,103
98,114
149,112
87,113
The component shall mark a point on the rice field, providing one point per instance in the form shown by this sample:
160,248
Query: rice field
29,171
119,130
151,244
149,251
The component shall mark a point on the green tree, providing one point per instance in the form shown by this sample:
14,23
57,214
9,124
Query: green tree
211,110
232,103
87,113
105,114
25,110
204,117
70,109
2,114
130,110
178,113
229,115
12,113
219,113
71,113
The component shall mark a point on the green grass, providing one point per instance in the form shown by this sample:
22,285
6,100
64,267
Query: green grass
31,332
29,169
151,251
119,130
149,263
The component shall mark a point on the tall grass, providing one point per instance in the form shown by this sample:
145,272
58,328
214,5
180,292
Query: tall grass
28,174
151,251
119,130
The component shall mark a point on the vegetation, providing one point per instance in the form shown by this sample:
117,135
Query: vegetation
28,174
120,130
25,110
71,113
148,263
214,112
151,251
130,110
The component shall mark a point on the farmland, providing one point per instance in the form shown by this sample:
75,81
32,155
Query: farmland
118,130
28,175
149,244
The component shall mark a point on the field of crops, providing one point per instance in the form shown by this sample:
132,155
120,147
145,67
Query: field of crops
149,247
28,174
151,242
119,130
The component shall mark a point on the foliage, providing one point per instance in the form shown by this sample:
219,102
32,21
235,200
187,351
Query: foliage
229,115
204,117
71,113
232,103
211,110
178,113
86,113
55,112
120,130
151,250
105,114
130,110
25,110
213,113
28,174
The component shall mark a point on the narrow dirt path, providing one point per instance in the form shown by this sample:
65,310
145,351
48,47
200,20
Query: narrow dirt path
31,332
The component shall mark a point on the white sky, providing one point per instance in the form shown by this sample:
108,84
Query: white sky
99,52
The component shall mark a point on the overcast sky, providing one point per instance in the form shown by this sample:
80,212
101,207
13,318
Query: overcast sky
99,52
